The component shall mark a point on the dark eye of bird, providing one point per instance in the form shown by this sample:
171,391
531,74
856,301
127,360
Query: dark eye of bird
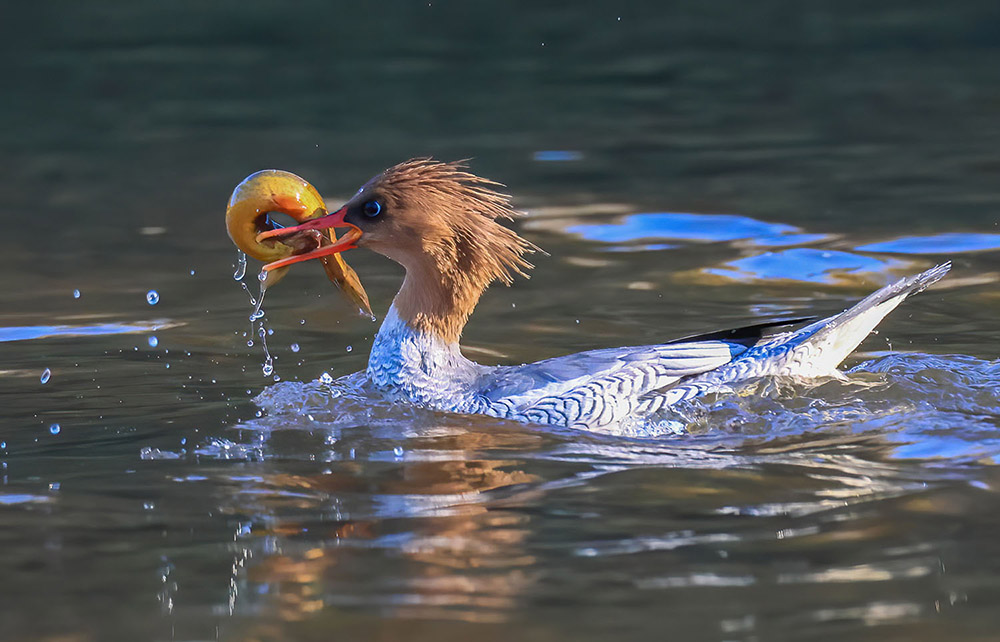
372,209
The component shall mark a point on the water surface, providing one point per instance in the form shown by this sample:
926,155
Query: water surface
685,169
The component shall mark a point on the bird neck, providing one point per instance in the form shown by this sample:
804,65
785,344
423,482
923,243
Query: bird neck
438,299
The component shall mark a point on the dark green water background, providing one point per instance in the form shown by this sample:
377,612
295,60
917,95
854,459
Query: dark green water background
853,142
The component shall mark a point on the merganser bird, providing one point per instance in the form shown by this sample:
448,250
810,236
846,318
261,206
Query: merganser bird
440,223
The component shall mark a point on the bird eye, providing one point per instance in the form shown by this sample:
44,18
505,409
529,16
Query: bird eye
372,209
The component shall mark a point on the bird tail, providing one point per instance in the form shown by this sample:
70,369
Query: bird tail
822,345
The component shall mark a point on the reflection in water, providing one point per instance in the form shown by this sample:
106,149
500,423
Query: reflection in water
447,531
823,265
942,244
26,333
674,226
388,537
812,266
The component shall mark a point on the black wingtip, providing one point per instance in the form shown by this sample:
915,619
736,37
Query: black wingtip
747,335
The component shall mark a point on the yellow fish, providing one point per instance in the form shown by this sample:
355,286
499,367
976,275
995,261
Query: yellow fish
274,190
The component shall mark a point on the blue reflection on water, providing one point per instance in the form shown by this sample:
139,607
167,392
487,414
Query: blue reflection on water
26,333
557,155
9,499
953,243
694,227
804,264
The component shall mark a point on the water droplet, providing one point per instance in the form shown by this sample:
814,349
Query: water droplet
250,343
302,321
267,368
277,377
183,440
153,341
192,272
241,266
148,505
262,276
349,348
3,444
152,297
398,451
54,486
46,375
76,294
270,331
326,378
294,347
352,453
54,429
168,366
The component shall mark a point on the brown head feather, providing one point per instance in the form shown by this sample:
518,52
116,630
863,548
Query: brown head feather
440,223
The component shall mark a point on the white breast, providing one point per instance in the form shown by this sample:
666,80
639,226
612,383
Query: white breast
421,366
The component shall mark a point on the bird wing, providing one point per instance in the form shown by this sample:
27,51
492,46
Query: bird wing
598,387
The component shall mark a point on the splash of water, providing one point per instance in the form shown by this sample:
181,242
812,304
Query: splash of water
256,318
240,268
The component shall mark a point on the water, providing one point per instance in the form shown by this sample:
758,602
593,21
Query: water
685,168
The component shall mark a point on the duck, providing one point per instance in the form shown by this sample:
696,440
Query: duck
444,225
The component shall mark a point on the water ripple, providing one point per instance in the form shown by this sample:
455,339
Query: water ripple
30,332
954,243
705,228
806,264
